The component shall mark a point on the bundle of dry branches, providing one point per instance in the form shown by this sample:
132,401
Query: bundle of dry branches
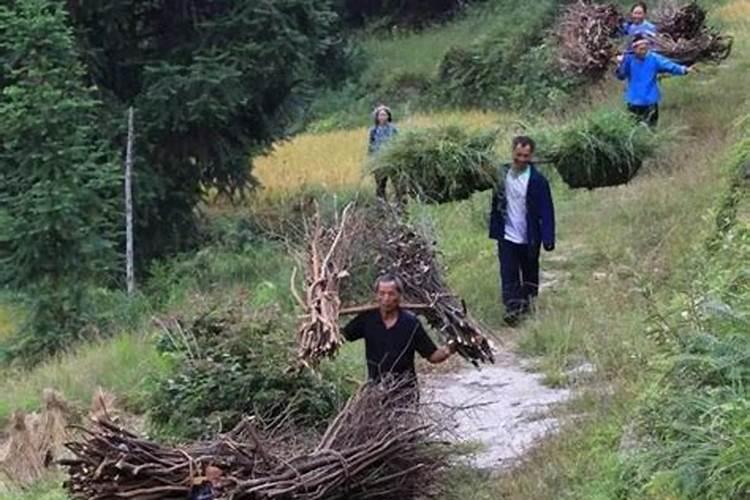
706,46
377,235
376,448
326,260
585,38
684,37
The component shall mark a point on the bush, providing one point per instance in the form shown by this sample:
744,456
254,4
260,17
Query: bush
439,164
229,363
512,67
603,148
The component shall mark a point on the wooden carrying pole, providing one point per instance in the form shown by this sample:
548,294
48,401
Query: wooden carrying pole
129,270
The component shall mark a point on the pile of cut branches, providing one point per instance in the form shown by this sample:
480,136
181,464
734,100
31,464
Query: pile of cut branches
377,235
585,35
378,447
684,37
326,260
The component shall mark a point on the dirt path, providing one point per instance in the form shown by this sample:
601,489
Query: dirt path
510,413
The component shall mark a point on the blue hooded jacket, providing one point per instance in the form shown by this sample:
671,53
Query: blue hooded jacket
540,211
642,85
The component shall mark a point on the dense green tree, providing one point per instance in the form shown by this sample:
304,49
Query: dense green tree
213,82
59,183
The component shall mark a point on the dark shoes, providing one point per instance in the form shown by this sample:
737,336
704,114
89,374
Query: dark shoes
514,317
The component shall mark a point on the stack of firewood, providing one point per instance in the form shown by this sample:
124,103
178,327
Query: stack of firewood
585,35
684,37
376,448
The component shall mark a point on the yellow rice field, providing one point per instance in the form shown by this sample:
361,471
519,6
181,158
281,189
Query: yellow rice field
336,159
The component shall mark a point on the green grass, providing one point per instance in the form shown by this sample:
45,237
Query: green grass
420,53
120,365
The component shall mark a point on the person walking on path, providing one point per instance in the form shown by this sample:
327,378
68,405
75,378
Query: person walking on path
522,220
380,133
393,336
640,71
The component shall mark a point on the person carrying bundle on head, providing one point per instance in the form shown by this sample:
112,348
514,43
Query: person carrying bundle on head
640,71
522,220
379,134
393,336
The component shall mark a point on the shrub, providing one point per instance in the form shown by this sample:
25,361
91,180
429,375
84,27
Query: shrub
511,67
439,164
602,148
230,362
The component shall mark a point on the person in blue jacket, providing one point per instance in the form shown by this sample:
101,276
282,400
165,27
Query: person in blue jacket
640,71
522,220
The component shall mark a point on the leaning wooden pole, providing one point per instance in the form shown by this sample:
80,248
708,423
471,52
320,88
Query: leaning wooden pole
129,267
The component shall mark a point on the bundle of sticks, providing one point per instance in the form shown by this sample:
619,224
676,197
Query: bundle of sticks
377,447
585,34
326,260
377,235
684,37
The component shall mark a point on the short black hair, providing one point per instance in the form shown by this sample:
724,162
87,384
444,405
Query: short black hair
523,140
639,37
642,5
390,278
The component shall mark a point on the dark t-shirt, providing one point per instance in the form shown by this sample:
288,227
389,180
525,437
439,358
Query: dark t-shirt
390,350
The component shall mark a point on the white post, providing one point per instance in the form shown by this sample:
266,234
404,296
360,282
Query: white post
129,271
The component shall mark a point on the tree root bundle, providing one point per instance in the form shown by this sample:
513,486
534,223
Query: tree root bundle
684,37
585,35
376,448
378,236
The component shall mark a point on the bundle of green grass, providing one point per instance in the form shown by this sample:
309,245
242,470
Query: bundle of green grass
440,164
600,149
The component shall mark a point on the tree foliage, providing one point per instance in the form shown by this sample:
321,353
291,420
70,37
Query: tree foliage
58,180
213,82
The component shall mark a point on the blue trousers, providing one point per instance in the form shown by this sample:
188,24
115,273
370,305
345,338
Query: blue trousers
519,273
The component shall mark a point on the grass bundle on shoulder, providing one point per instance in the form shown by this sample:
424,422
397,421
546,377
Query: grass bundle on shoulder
439,164
600,149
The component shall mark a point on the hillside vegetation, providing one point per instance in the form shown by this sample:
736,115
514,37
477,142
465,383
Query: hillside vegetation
648,286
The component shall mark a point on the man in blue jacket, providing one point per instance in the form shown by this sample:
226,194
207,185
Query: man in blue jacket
641,70
522,220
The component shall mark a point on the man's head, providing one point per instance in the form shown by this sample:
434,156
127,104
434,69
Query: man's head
388,289
640,46
638,12
214,474
523,149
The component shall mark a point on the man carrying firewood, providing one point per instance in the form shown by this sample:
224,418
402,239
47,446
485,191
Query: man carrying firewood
641,70
522,220
393,336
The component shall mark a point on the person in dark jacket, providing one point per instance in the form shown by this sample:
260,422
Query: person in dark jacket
641,70
382,132
522,220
